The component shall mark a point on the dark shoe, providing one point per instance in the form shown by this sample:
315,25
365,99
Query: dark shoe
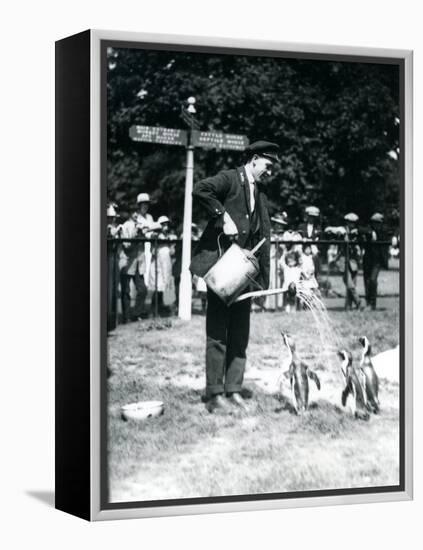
237,399
217,403
246,393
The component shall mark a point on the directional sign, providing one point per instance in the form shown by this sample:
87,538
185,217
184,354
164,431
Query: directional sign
153,134
217,140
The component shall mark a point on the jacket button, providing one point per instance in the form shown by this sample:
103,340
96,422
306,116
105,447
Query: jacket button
244,232
246,215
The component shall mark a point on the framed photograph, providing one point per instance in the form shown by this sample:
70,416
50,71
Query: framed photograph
233,275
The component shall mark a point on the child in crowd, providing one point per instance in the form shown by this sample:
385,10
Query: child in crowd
298,269
308,275
160,273
291,270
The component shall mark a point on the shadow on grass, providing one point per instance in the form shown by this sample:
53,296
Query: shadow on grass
327,406
321,406
246,393
284,405
342,308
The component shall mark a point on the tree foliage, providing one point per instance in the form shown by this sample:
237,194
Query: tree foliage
337,124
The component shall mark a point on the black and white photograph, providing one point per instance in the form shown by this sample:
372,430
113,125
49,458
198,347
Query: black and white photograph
253,214
211,281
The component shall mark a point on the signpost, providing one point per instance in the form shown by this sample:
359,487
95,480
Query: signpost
185,286
165,136
188,139
217,140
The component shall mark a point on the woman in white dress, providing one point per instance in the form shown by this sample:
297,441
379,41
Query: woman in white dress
160,273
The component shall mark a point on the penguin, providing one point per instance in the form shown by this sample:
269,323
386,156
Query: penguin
355,384
299,373
372,380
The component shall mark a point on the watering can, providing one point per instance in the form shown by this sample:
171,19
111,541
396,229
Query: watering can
233,272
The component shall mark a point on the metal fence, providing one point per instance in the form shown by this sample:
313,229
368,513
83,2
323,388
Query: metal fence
332,259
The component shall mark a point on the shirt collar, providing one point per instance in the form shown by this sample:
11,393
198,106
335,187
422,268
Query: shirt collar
250,176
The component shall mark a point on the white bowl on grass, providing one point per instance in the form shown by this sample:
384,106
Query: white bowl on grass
142,410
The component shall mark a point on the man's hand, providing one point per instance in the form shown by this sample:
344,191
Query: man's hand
229,227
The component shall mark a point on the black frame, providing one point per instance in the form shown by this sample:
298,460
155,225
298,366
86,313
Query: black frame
73,418
72,429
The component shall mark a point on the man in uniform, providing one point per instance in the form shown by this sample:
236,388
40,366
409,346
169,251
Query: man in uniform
311,229
352,261
134,268
374,258
236,206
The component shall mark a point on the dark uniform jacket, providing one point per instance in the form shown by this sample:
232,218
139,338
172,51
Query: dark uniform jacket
354,249
375,254
230,191
302,228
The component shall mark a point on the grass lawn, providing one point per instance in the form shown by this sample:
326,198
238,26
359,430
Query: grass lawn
188,452
388,283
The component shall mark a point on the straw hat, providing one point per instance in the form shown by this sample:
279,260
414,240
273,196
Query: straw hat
312,211
111,212
377,217
163,219
143,197
351,217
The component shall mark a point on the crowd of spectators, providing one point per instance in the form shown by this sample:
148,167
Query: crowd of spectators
146,267
297,254
347,248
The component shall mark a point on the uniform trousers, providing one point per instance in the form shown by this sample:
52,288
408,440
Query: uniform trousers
350,281
227,332
370,275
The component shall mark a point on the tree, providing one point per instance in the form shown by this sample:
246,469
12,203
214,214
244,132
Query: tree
337,124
